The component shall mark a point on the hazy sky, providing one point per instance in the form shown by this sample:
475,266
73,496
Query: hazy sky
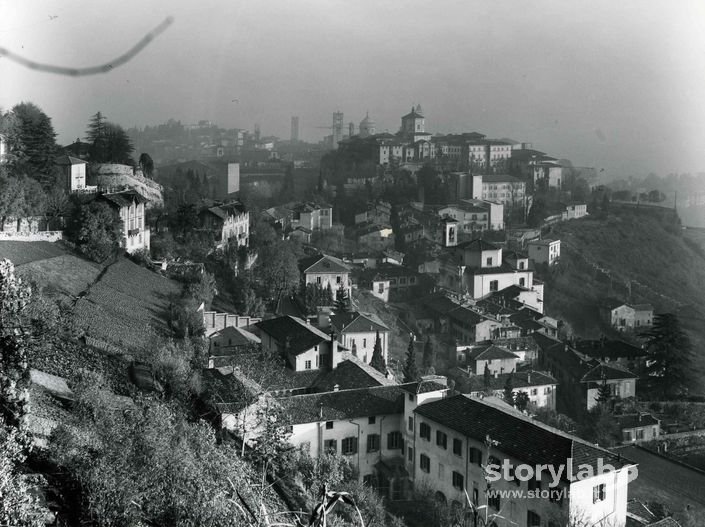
605,83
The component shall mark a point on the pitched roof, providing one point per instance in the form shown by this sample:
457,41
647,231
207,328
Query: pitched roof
124,198
466,315
608,348
607,372
351,372
491,352
440,304
477,245
323,263
69,160
520,379
356,322
500,178
299,335
238,336
423,386
343,404
636,420
518,436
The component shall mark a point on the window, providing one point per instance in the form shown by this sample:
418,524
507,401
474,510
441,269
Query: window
441,471
522,282
424,463
441,439
307,365
329,425
331,445
373,443
489,261
394,440
533,519
371,420
493,500
458,447
380,288
349,446
425,431
534,391
547,390
411,397
364,343
458,480
411,424
411,455
318,279
475,455
494,285
521,266
337,280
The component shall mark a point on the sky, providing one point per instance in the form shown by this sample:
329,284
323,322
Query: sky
612,85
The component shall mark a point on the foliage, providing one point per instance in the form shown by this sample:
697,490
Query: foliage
521,401
342,300
509,391
537,213
604,394
32,143
277,269
146,164
601,427
552,418
429,354
184,318
314,296
328,468
19,507
670,353
271,449
20,197
203,289
109,142
14,359
487,377
96,230
377,361
411,371
147,464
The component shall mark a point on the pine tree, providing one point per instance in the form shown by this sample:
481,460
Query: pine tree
670,352
377,361
411,372
429,354
35,142
604,395
95,135
509,391
521,401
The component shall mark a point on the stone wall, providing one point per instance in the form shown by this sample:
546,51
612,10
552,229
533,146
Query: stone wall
44,236
114,176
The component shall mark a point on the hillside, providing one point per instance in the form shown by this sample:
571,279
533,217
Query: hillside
630,250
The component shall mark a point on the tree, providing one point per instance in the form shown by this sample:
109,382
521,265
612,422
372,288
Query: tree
277,270
20,197
109,142
96,136
342,301
509,391
146,164
184,318
377,361
411,372
537,213
670,353
487,377
203,289
604,394
34,141
429,354
14,359
96,230
521,401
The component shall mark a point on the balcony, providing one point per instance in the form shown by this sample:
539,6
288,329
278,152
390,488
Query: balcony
133,232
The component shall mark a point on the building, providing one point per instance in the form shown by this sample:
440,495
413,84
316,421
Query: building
623,316
229,222
544,251
540,387
304,346
392,282
130,205
574,211
227,342
476,268
376,237
451,441
638,428
312,216
475,215
367,127
505,189
73,171
376,212
326,271
496,360
358,333
621,382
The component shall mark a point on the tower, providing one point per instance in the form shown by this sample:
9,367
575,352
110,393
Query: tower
294,128
367,126
337,128
351,129
450,231
413,122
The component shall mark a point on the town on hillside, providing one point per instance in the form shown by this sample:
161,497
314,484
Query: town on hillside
391,325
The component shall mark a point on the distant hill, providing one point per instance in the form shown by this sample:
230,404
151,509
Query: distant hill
636,249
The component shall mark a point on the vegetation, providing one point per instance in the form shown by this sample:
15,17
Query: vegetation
377,361
411,372
96,230
109,142
670,353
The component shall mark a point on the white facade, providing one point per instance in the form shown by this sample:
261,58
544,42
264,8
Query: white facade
363,343
544,251
135,236
236,228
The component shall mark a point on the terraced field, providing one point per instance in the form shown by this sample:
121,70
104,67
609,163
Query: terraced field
126,307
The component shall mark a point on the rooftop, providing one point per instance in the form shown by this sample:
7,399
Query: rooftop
517,436
356,322
490,352
298,334
323,263
520,379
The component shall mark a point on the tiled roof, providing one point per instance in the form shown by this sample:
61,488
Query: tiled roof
465,315
520,379
357,322
500,178
350,373
343,404
545,241
124,198
611,303
641,511
611,349
69,160
300,335
636,420
423,386
323,263
477,245
491,352
518,436
607,372
439,304
238,336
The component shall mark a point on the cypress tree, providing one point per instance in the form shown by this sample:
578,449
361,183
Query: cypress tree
411,372
377,361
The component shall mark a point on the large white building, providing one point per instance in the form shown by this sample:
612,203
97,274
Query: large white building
326,271
130,205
